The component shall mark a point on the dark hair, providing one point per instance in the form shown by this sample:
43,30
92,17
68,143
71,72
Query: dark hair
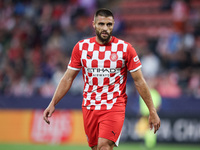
104,12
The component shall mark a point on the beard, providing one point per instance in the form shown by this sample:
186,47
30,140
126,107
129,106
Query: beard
101,38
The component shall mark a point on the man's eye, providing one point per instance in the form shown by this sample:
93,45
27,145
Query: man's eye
109,24
101,24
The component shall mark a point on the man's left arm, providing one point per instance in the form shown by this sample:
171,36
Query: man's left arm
143,90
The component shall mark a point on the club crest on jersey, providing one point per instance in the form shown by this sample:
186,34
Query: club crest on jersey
113,57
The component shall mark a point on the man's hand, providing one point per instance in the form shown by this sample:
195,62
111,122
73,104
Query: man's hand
47,113
154,121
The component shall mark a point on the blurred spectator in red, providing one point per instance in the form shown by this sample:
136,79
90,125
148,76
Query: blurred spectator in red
180,12
194,84
168,85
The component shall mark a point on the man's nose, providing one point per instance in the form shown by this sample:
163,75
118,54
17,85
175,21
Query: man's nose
105,28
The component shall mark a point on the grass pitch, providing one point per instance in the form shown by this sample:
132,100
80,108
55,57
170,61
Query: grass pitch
123,146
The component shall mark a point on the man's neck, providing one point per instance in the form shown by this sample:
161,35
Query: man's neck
101,42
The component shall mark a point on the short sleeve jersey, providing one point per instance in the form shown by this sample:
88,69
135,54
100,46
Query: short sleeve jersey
104,69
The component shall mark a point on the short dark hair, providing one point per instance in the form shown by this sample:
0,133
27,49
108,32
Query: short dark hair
104,12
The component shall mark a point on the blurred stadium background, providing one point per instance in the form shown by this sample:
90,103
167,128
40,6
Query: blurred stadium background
36,41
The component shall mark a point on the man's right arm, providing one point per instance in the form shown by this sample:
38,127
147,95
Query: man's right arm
62,88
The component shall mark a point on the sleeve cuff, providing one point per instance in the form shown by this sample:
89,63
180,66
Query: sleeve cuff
73,68
136,69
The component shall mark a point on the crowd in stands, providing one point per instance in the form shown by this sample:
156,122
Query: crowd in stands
37,38
173,51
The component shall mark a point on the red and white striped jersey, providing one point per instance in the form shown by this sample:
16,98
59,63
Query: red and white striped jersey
104,69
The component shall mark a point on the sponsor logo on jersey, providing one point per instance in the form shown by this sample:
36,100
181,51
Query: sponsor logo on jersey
102,71
136,58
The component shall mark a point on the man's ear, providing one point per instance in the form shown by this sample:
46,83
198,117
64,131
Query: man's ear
93,24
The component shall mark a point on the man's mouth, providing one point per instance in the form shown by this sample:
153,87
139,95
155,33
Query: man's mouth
104,34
